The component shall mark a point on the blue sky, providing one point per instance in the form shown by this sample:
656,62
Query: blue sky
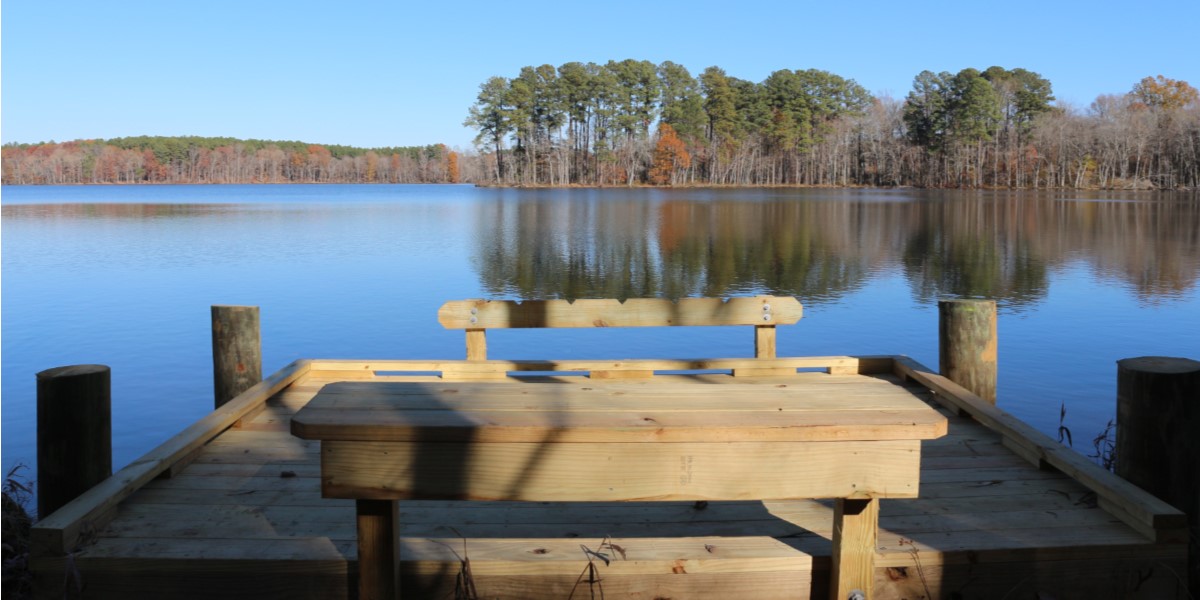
396,73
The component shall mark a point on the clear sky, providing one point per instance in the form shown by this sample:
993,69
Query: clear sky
393,73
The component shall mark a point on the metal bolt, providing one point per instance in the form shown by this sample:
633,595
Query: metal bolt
474,319
767,316
766,307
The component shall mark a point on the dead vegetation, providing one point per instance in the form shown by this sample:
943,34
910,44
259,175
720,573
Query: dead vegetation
18,492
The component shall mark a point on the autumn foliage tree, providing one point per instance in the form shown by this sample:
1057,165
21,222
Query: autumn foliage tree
1164,93
670,156
451,166
148,159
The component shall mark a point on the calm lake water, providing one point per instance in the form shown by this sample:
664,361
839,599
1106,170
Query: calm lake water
125,276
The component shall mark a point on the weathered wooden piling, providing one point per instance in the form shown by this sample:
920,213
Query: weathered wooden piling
74,433
967,344
1158,436
237,351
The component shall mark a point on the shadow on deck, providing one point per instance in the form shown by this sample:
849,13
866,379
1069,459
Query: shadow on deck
1000,515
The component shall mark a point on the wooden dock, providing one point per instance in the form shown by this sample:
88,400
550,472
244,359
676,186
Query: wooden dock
232,507
242,516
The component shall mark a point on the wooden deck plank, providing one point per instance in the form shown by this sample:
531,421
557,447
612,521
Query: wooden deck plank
58,533
1134,503
984,515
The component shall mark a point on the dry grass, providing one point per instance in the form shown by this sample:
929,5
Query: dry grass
18,491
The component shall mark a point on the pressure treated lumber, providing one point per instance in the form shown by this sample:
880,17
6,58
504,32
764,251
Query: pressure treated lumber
617,472
1158,436
74,432
635,312
378,565
60,532
600,412
451,368
539,452
984,526
967,345
476,344
1152,517
764,341
237,351
855,533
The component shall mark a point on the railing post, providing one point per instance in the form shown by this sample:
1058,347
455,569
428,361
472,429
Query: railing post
967,345
237,351
74,433
1158,436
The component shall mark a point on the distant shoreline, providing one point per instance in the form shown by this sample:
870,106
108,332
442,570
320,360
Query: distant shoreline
696,186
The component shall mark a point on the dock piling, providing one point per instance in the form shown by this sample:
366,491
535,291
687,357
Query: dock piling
967,344
237,351
74,433
1158,436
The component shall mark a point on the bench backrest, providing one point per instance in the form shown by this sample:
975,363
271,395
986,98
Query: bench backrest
762,312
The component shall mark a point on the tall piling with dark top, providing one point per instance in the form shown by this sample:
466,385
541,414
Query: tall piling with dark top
1158,436
74,433
237,351
967,345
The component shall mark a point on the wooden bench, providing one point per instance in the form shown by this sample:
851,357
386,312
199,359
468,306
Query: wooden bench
764,313
613,440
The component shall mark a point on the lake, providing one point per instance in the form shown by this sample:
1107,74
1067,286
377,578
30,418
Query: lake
125,276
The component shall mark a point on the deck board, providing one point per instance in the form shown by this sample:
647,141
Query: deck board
249,503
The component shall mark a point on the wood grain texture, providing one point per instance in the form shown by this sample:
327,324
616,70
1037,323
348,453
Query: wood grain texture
74,433
863,364
619,471
58,533
987,524
377,552
1141,508
855,535
597,413
764,341
1158,435
967,345
237,351
476,344
635,312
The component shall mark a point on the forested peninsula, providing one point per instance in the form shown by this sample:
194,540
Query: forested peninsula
634,122
222,160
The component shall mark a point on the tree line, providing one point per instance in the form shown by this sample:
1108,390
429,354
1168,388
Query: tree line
633,122
222,160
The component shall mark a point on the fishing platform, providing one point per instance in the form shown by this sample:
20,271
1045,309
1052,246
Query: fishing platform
764,477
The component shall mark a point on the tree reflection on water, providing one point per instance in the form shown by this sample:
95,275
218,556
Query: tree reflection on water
639,243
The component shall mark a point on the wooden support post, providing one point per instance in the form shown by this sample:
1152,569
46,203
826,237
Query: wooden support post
1158,436
237,351
378,564
476,344
855,535
967,345
74,433
764,341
